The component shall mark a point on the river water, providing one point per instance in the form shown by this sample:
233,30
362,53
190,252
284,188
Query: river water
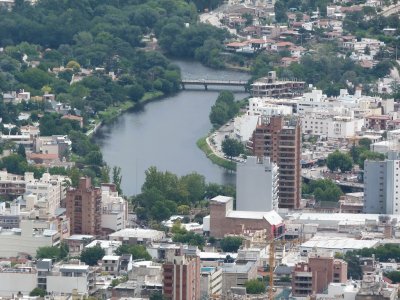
165,132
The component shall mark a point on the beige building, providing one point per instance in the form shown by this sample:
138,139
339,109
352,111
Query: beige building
84,208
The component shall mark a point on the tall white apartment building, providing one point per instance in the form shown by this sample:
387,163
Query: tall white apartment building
114,209
382,185
257,185
50,191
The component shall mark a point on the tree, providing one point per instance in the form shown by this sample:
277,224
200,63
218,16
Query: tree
92,255
232,147
231,243
157,296
38,292
393,276
135,92
255,286
137,251
21,151
339,161
48,252
117,178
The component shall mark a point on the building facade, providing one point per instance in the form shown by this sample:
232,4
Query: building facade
381,187
181,277
257,184
315,276
279,139
84,208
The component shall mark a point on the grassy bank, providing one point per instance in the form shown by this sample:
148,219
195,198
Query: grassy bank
227,164
112,112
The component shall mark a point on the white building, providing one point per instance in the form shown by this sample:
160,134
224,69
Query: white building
26,239
262,107
17,280
244,126
257,185
345,291
114,212
50,191
64,279
210,282
381,187
110,264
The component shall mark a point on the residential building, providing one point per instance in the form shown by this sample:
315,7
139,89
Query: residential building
224,220
315,276
26,239
58,145
257,184
77,242
64,279
373,286
279,139
236,275
381,187
114,210
270,86
50,192
181,277
380,122
84,208
210,282
44,267
110,264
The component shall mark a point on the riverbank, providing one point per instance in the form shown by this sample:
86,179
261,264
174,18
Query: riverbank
113,112
204,145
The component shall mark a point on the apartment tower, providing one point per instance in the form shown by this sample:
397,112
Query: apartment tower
279,138
381,185
181,277
84,208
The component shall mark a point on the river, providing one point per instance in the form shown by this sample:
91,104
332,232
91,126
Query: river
165,132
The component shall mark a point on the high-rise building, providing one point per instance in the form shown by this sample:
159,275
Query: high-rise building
257,184
181,277
279,138
315,276
381,185
84,208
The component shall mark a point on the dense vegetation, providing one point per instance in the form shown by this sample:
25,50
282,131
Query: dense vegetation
339,161
322,190
361,152
137,251
231,243
224,109
163,192
323,69
255,286
382,253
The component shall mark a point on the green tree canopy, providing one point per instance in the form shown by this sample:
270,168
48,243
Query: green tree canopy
38,292
231,243
255,286
137,251
339,161
92,255
232,147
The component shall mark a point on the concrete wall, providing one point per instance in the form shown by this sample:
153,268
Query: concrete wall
11,283
65,285
256,185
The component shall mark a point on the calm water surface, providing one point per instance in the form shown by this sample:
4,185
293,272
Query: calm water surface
165,132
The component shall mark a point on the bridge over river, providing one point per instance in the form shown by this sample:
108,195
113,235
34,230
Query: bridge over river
212,82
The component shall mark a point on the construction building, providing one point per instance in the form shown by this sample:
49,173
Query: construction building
271,86
279,138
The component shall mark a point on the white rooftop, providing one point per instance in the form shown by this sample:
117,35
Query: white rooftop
137,233
111,257
221,199
340,243
271,216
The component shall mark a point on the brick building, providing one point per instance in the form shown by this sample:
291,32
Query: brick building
315,276
279,139
224,220
84,208
181,277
